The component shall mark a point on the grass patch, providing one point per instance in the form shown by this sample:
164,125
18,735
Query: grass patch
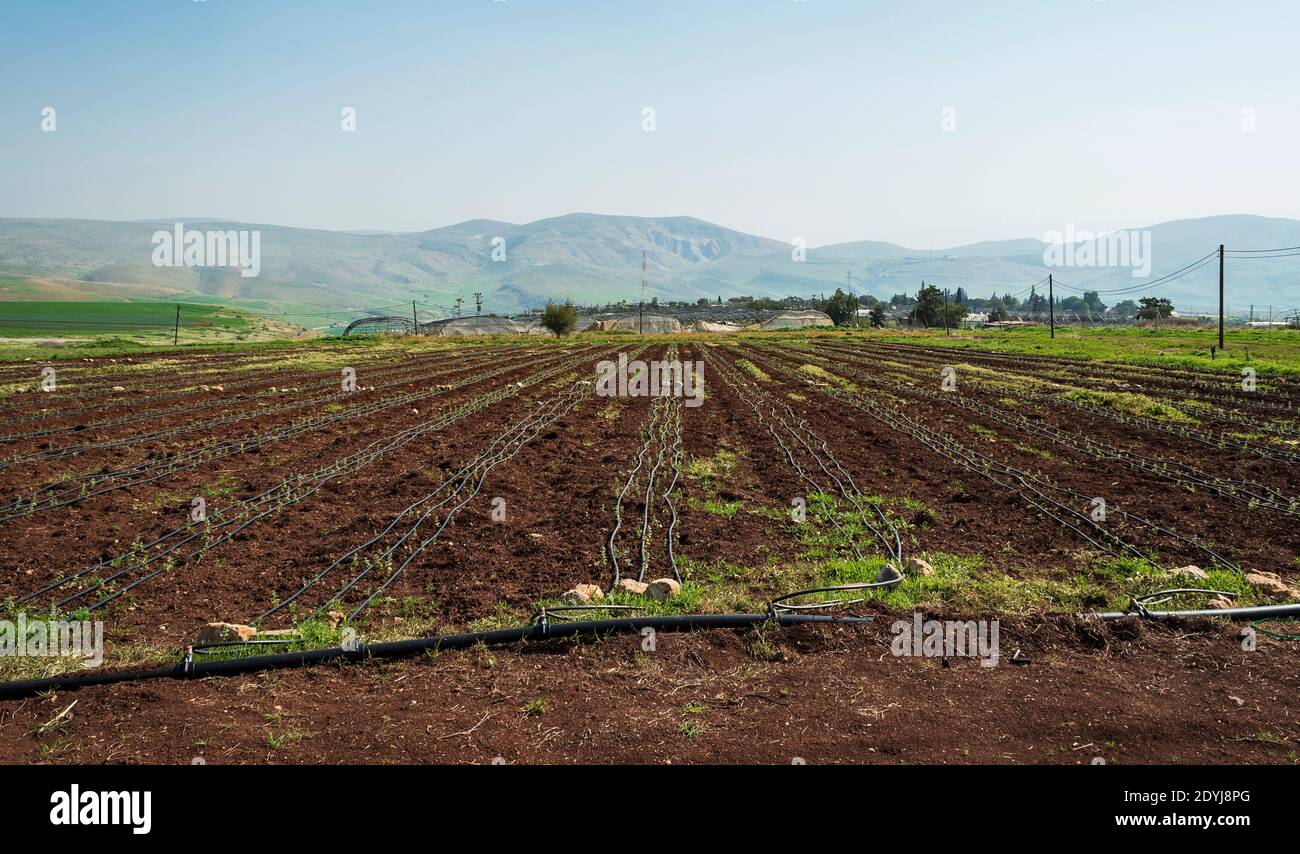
826,376
1130,403
753,370
725,509
717,467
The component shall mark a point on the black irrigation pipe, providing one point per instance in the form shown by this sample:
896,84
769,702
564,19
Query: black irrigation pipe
1220,441
485,461
980,464
1255,612
511,441
386,380
250,377
289,491
187,668
140,381
667,495
892,542
559,408
1211,382
1207,436
661,446
47,498
309,381
1159,467
1259,402
752,395
611,542
1102,380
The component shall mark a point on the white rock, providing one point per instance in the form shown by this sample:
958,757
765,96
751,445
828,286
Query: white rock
582,594
217,632
631,585
916,566
1268,582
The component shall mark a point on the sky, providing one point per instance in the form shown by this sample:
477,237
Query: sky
929,124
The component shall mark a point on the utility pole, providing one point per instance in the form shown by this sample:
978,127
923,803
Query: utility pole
1220,296
1051,304
415,322
641,312
459,300
945,312
849,276
478,303
176,333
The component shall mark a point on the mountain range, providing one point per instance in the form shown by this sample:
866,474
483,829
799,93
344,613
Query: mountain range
595,259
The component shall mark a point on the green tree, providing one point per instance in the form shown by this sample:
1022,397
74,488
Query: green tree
1126,309
1093,299
560,318
1154,308
878,316
929,307
953,312
842,308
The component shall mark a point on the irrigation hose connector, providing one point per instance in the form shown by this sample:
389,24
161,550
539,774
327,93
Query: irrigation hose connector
1138,604
777,605
544,615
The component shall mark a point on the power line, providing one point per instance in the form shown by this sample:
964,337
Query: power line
1254,257
1177,274
1249,251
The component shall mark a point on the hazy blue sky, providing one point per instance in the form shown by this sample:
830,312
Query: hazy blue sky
788,118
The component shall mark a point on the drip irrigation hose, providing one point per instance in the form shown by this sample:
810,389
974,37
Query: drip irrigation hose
1256,612
187,668
289,491
561,612
207,648
1257,626
1140,603
778,604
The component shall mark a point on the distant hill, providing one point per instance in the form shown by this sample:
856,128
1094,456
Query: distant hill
594,258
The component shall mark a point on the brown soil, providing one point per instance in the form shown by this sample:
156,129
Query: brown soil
1128,694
